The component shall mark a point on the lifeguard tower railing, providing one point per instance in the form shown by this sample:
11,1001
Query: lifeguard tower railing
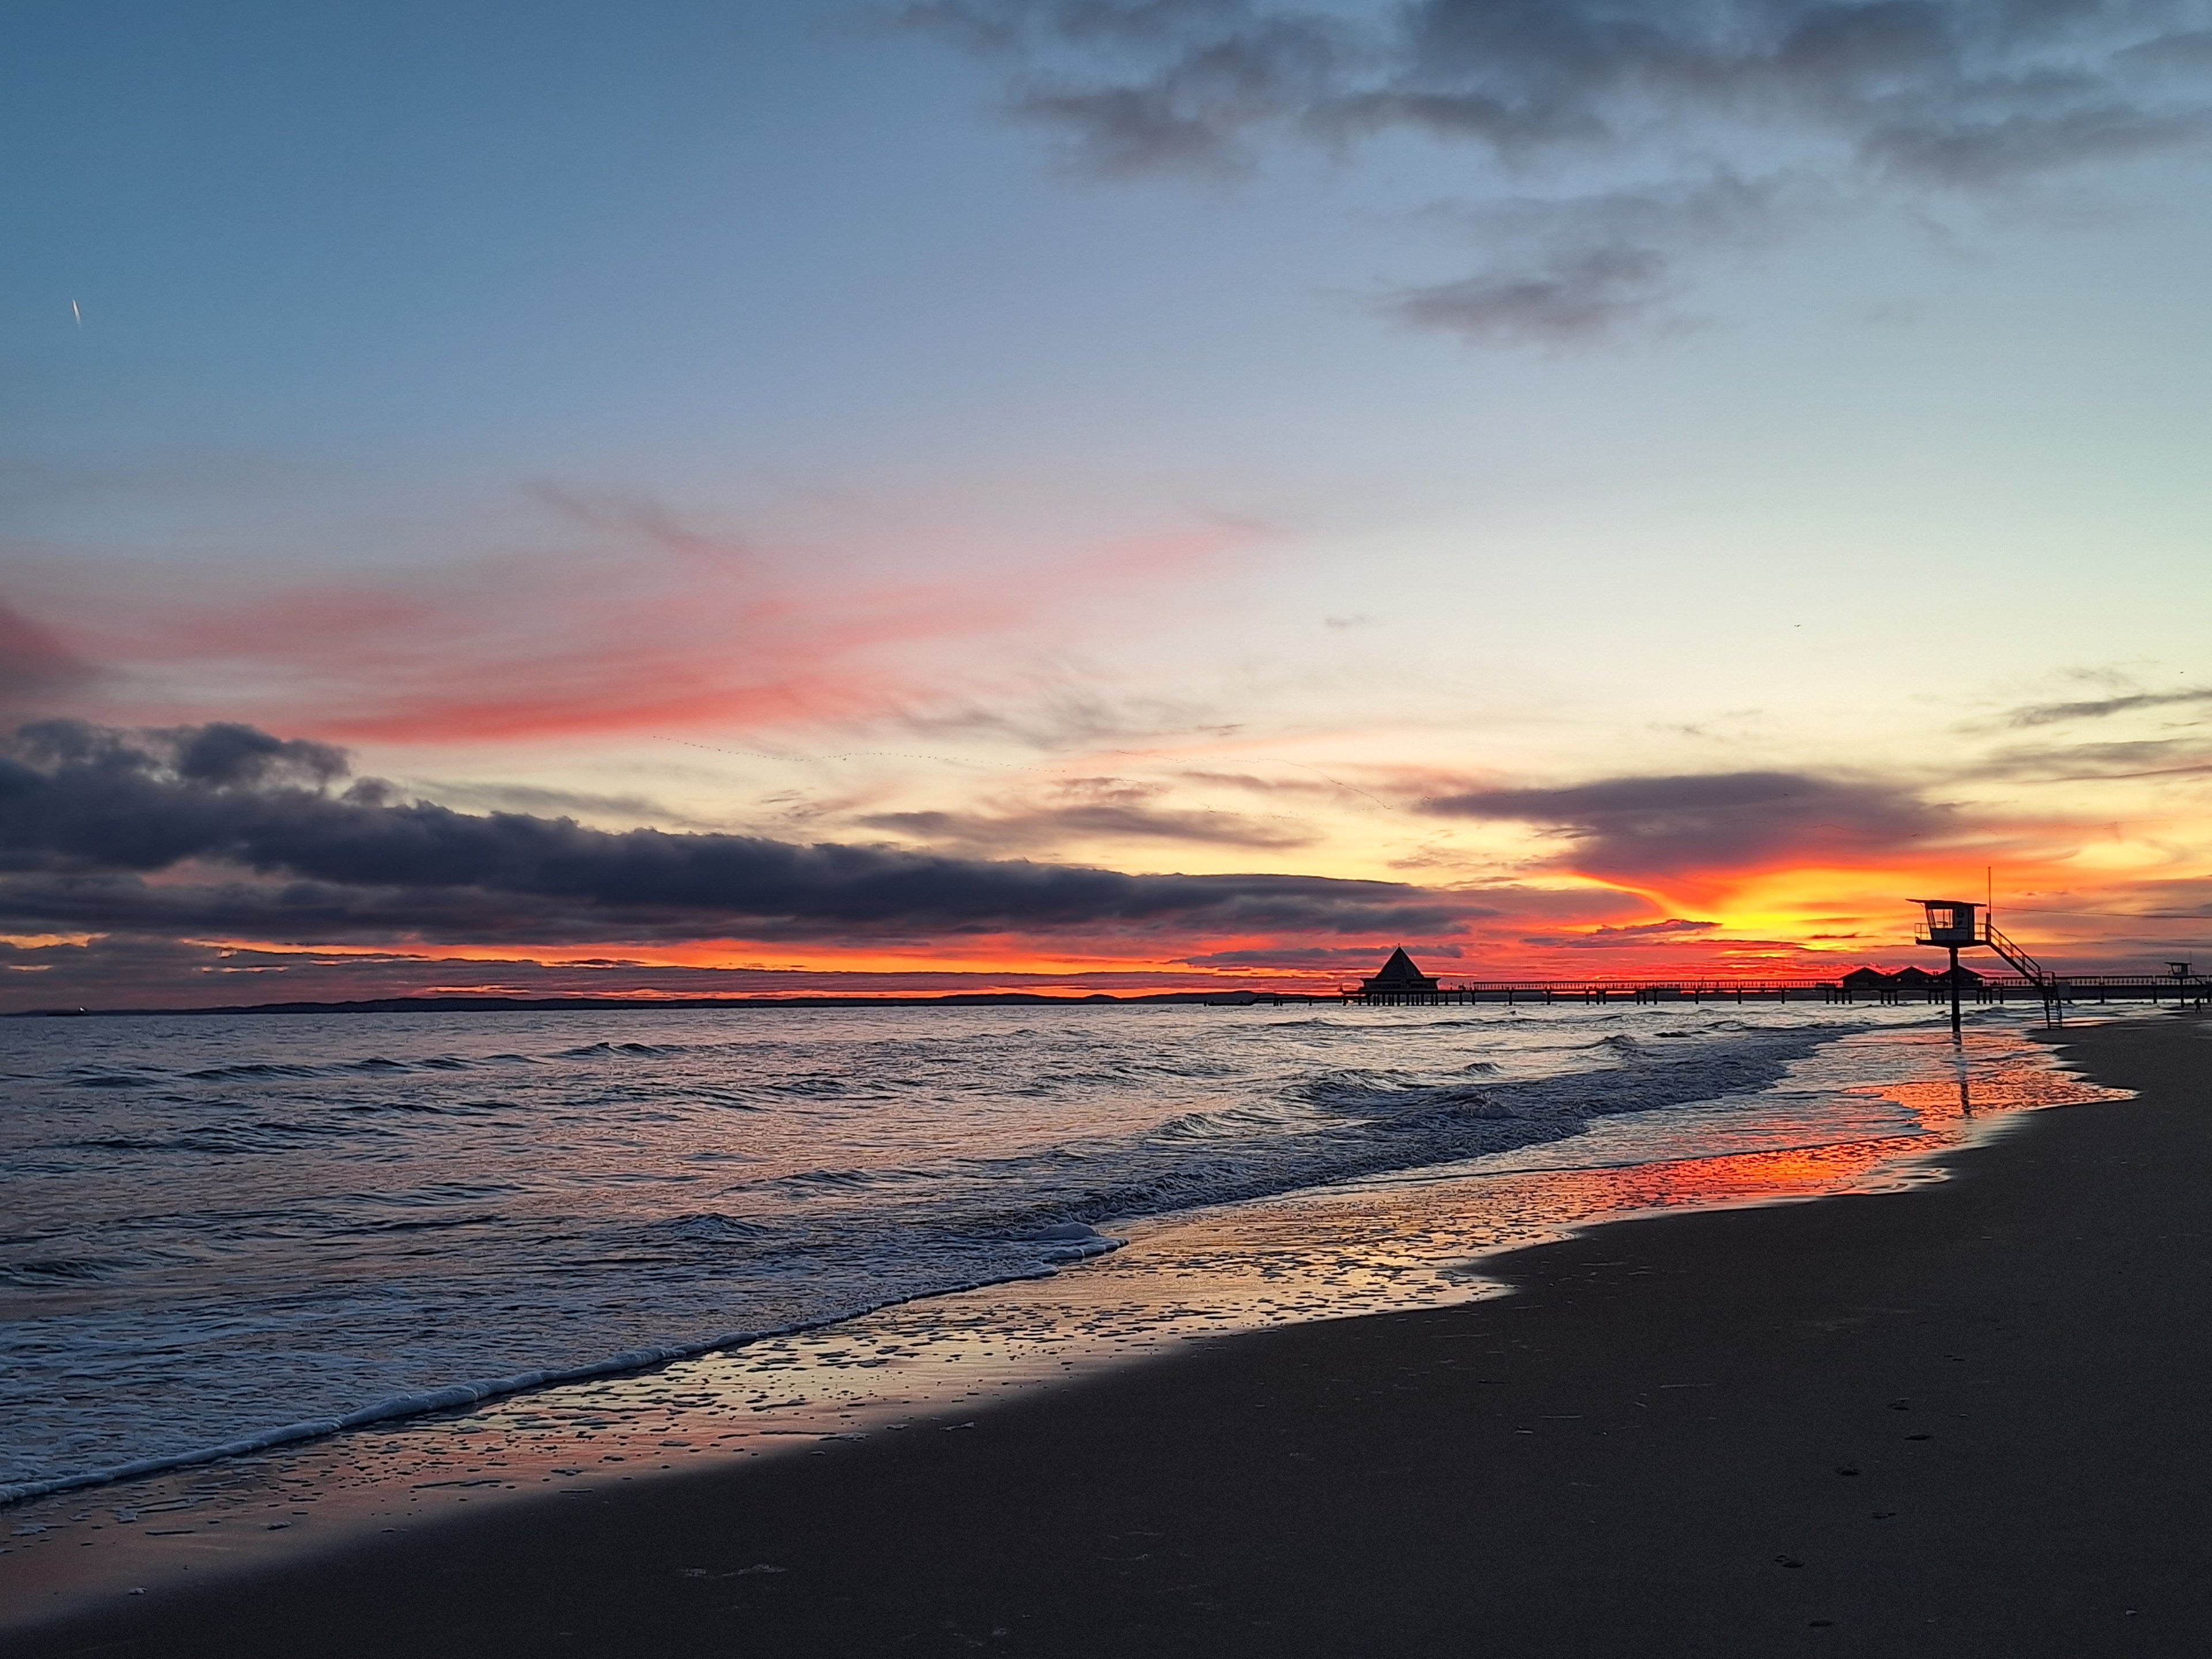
2015,959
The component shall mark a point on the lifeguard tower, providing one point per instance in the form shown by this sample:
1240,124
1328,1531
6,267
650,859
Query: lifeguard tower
1951,923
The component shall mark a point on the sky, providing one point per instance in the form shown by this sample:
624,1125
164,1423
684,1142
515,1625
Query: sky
1096,495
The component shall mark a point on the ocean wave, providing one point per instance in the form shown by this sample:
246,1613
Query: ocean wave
711,1228
1375,1123
1071,1241
220,1140
252,1069
51,1272
1227,1123
462,1396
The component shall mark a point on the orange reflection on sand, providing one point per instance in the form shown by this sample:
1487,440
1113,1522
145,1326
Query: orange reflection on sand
1952,1111
1759,1177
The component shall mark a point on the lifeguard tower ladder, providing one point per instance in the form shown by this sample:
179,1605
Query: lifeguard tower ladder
1951,923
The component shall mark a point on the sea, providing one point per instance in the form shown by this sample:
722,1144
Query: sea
223,1234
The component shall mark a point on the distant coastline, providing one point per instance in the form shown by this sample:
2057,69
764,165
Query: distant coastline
473,1005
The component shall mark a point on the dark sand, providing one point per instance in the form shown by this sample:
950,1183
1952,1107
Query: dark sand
1965,1418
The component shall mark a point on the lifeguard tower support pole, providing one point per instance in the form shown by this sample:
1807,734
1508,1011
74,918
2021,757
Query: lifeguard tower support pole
1951,925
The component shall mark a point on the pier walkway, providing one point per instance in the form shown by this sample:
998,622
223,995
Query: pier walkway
2194,991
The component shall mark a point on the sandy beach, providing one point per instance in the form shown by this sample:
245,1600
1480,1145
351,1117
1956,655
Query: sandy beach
1964,1418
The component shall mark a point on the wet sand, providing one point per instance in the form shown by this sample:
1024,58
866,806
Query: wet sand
1965,1418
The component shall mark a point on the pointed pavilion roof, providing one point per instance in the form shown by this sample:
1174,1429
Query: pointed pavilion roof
1399,974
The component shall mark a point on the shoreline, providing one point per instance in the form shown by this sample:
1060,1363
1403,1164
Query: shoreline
1264,1478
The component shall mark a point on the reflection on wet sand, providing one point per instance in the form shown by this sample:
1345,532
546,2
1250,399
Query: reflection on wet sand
1412,1240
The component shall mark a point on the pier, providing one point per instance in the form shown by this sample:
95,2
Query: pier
1951,923
2194,990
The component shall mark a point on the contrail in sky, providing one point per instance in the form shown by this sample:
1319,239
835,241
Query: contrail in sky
74,312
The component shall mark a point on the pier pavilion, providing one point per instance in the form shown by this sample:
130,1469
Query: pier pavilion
1400,981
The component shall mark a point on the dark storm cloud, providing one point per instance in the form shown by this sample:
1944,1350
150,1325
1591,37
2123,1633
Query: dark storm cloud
1915,94
293,912
88,812
1716,820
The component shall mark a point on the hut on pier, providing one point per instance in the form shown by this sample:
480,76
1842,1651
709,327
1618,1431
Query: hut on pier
1869,985
1398,978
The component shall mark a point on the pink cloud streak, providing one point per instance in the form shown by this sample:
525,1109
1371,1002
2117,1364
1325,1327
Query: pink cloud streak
647,626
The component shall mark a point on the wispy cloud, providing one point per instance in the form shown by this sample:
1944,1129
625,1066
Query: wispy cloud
2097,708
621,616
479,796
2071,762
1632,115
1574,267
1053,715
1052,827
1053,815
1613,939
